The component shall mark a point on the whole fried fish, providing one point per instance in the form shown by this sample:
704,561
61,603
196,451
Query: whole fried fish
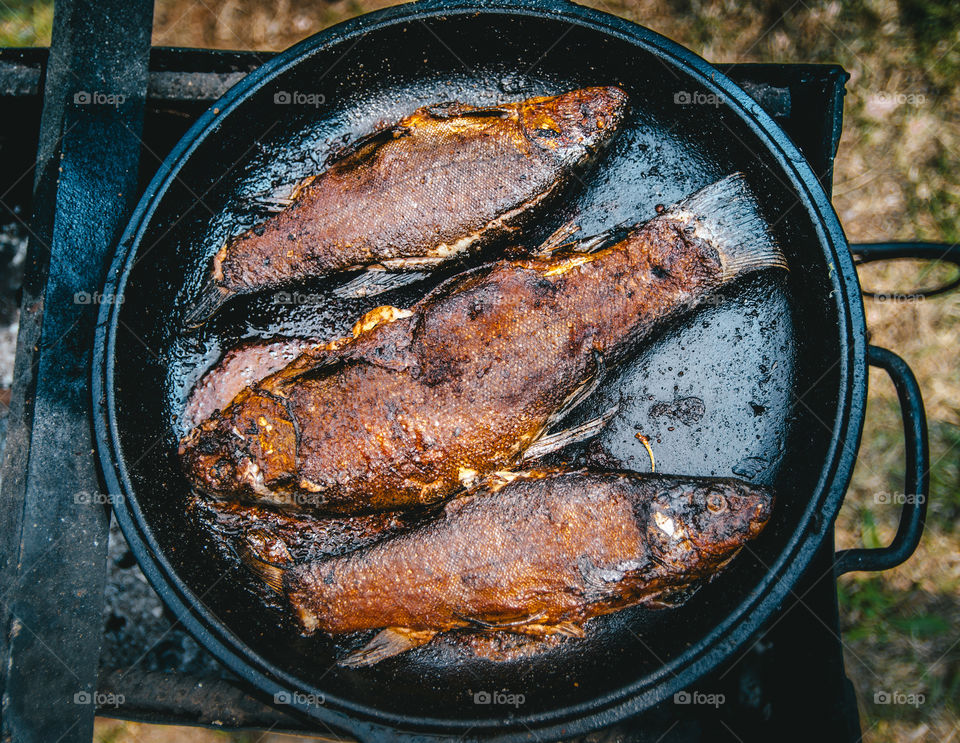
448,179
536,552
423,402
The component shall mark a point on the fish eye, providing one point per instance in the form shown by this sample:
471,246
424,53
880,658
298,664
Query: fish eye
716,503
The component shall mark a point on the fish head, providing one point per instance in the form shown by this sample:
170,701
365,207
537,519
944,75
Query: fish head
576,124
245,450
696,525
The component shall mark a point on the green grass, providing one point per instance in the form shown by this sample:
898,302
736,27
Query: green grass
25,23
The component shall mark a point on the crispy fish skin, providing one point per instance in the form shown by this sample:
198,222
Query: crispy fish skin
538,552
423,402
446,179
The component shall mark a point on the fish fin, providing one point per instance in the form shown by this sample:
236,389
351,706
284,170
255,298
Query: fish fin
726,215
505,624
720,566
567,629
577,434
586,388
601,240
387,643
672,598
456,110
589,244
300,187
269,573
212,297
366,145
570,629
262,542
375,281
557,238
269,204
597,578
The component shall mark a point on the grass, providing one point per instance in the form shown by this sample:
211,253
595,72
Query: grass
25,23
896,177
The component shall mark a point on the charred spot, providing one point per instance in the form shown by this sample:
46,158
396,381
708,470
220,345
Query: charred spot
475,309
543,287
258,230
546,135
207,445
291,237
660,272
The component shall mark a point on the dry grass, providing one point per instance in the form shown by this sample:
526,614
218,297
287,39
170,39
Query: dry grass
897,177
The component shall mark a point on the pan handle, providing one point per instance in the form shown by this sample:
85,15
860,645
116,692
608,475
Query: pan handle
916,477
870,252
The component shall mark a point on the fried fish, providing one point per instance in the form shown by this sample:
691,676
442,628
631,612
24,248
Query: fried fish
447,180
536,553
474,377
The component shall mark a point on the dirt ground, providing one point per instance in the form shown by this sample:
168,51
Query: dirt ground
897,178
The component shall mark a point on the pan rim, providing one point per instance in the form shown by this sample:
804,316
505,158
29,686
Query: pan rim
710,651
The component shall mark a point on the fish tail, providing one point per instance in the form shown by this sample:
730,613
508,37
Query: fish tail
268,572
726,215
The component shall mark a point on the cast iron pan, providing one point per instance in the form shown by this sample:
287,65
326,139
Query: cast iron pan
774,372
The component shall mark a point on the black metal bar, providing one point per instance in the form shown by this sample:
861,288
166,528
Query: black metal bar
807,100
891,251
55,528
175,74
178,699
916,477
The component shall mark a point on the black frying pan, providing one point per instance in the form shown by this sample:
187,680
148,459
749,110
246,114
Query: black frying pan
779,365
